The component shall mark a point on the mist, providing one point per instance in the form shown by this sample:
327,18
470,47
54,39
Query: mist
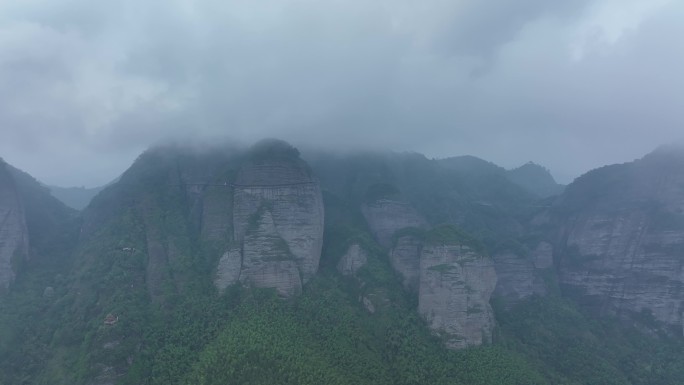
85,88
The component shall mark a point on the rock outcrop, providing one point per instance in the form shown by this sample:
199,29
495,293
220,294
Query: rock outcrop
13,231
217,218
520,276
455,286
287,190
452,281
354,259
267,260
277,222
622,239
386,216
405,260
228,270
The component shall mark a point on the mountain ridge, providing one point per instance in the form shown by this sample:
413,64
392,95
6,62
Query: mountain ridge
413,256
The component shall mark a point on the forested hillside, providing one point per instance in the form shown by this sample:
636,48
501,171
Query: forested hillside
227,265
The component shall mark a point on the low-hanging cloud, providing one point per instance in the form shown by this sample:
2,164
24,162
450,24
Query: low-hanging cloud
86,86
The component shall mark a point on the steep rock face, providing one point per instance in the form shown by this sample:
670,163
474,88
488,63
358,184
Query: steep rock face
228,271
454,290
267,258
13,231
519,277
387,216
405,260
277,223
623,240
217,219
286,189
354,259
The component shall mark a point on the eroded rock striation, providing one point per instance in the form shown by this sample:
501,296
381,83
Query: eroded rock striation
277,221
267,260
452,281
386,219
386,216
622,239
454,290
13,231
521,275
405,259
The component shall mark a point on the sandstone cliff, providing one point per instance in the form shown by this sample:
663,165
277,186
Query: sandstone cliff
393,223
277,221
621,246
452,281
521,274
454,290
13,231
405,260
386,216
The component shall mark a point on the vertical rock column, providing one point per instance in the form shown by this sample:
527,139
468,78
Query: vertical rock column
277,225
455,286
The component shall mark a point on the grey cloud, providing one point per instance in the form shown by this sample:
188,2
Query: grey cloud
481,27
88,86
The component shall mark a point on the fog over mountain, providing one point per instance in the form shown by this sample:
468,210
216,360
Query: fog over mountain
85,87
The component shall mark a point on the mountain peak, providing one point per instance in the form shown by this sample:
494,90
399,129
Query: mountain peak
535,178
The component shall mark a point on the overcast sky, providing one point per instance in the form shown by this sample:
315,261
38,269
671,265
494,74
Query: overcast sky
85,85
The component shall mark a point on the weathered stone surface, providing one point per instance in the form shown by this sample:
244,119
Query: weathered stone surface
405,260
294,201
13,231
354,259
622,248
455,286
543,255
515,277
267,259
386,216
217,209
619,265
519,277
228,271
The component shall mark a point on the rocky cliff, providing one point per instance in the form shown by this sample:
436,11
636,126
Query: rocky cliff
405,259
13,232
386,216
394,223
354,259
621,243
267,260
452,281
277,222
521,273
454,290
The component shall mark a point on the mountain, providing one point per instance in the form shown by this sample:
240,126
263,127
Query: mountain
621,239
34,227
536,179
263,265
